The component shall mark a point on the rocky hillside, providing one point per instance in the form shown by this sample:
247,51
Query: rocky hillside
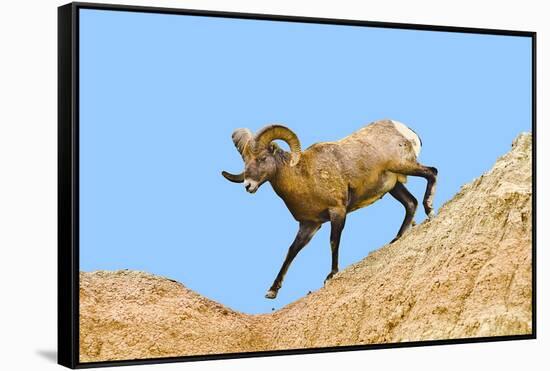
466,273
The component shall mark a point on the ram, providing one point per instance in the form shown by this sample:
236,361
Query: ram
331,179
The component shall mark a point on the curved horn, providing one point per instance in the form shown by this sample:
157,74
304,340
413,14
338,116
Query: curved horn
235,178
241,139
273,132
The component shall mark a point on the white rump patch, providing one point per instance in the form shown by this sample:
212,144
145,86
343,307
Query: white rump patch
409,134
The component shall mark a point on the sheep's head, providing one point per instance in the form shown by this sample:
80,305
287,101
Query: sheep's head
258,152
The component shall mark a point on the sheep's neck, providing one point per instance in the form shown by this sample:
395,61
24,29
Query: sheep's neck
287,179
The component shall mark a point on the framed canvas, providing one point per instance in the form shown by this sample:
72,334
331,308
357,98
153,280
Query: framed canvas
241,185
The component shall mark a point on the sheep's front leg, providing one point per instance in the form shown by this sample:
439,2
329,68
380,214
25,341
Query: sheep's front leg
337,222
305,233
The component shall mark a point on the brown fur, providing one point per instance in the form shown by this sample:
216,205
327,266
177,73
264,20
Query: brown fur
350,173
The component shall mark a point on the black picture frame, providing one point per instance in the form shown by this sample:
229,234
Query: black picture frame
68,180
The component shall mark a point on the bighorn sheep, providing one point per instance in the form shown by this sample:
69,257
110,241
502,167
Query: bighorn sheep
331,179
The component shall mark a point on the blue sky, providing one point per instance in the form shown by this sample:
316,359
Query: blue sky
161,94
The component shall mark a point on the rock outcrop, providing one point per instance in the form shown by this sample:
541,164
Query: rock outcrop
466,273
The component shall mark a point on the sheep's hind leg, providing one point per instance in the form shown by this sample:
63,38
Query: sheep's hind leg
337,222
427,172
305,233
402,194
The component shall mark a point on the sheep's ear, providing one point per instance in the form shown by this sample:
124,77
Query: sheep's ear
274,148
294,156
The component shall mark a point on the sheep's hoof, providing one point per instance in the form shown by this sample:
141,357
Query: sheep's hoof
395,239
271,294
431,215
330,275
